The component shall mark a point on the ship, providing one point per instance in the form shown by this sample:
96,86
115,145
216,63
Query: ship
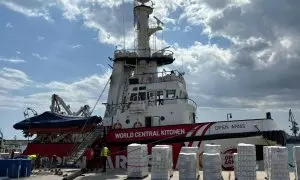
143,106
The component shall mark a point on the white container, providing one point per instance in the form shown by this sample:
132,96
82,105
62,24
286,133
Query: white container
170,157
137,161
160,168
212,166
246,161
188,166
212,148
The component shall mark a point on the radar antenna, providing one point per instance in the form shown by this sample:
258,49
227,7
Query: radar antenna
158,21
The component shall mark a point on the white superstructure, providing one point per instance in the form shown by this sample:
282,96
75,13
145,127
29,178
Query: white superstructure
139,96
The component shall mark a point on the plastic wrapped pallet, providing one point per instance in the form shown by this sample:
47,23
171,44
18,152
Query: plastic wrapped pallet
170,157
137,161
235,161
212,166
265,156
212,148
246,161
188,166
278,163
192,150
160,169
296,155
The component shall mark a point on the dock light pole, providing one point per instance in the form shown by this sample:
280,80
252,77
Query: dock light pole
229,115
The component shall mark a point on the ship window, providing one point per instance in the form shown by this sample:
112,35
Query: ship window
127,121
171,93
142,88
150,96
159,98
142,96
133,97
134,89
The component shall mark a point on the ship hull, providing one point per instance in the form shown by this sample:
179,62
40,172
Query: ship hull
228,134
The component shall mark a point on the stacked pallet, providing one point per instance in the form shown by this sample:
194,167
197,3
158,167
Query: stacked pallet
212,148
192,150
246,163
265,155
160,169
170,159
278,163
188,169
296,154
137,161
212,166
235,161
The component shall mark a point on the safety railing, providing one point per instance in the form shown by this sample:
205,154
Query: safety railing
133,53
158,102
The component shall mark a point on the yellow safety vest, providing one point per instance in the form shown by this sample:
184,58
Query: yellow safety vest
104,152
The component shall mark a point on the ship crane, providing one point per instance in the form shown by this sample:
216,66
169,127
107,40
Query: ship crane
295,127
57,102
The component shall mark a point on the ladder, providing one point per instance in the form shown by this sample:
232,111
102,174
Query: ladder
86,142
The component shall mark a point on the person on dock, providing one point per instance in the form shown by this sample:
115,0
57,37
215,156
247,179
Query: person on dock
97,158
104,153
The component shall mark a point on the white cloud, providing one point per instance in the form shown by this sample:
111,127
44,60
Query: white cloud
78,93
39,56
30,8
18,52
76,46
13,79
8,25
12,60
40,38
187,29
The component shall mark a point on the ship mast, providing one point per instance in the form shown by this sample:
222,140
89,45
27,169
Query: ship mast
141,19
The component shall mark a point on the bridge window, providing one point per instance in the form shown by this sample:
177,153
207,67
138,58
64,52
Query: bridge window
142,96
160,98
142,88
171,93
134,89
133,97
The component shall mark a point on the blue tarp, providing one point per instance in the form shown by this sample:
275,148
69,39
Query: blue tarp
53,120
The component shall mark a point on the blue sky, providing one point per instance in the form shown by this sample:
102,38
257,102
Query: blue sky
63,47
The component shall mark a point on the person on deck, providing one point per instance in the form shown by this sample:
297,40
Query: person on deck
89,159
97,158
104,153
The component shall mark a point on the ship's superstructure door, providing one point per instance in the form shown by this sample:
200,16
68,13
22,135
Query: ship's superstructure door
148,121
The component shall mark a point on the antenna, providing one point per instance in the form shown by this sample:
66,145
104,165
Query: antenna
124,32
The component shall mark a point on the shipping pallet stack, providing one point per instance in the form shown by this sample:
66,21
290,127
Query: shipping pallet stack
170,158
160,166
277,163
246,162
192,150
296,155
137,163
188,169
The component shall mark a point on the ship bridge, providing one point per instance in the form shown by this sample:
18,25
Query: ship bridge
130,57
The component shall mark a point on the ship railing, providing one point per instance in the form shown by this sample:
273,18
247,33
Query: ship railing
158,102
146,53
159,77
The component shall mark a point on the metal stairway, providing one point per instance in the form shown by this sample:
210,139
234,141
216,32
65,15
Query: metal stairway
86,142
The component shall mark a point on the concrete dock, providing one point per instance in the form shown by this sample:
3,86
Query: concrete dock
120,174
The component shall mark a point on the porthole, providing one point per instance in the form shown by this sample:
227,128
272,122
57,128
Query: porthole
162,118
127,121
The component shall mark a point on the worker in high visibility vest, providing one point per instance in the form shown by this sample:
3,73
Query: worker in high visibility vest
104,153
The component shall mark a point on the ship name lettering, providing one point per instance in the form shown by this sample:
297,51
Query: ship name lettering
221,127
238,126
